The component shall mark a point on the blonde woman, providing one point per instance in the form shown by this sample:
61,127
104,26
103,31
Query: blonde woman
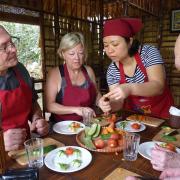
71,87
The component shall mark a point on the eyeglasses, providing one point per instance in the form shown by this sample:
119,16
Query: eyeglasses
6,48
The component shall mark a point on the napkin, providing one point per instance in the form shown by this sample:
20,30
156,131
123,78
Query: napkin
174,111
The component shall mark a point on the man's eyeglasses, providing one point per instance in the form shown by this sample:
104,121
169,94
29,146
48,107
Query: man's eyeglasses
9,46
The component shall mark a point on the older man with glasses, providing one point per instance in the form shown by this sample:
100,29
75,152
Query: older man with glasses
17,97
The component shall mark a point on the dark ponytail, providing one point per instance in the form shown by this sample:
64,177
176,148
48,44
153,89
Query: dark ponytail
134,47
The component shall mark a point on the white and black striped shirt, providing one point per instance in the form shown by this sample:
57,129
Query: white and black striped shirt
149,56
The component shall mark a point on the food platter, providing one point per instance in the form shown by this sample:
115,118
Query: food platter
63,127
106,149
52,159
146,148
127,126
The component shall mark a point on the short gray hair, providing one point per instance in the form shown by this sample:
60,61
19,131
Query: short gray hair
69,41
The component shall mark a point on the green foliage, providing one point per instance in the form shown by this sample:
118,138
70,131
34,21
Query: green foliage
28,45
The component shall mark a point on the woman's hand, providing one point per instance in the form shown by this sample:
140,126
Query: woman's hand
162,158
104,104
119,92
41,126
14,138
79,111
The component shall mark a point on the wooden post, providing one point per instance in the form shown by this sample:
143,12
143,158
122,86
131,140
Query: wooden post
2,147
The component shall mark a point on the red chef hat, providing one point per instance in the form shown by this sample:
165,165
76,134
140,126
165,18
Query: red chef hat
125,27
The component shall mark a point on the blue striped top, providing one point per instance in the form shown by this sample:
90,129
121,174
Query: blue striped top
149,55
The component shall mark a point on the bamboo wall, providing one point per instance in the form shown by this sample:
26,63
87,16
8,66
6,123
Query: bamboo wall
57,17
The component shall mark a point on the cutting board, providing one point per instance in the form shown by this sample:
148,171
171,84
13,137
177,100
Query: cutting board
120,174
158,137
150,121
20,155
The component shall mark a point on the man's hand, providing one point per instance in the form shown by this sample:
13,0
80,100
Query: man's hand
162,158
14,138
41,126
170,174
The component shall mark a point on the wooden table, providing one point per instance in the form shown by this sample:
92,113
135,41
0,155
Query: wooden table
102,163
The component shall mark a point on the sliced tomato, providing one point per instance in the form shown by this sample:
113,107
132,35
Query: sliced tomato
136,126
171,147
69,151
112,143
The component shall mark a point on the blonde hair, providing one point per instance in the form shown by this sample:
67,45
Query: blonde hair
69,41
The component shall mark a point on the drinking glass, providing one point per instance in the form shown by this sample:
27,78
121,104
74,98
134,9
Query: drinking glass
34,150
131,146
87,117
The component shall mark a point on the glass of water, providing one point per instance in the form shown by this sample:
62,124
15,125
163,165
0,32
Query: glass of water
34,150
87,117
131,146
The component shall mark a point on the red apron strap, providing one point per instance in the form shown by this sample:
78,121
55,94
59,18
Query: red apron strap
86,74
141,65
122,74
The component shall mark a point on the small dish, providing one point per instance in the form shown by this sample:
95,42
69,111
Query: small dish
63,127
127,126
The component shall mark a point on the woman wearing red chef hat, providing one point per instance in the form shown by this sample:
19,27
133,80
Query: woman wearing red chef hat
136,77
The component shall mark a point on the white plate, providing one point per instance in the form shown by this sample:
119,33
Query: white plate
52,159
145,149
128,127
63,127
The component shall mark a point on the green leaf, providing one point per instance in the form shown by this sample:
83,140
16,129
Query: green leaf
169,138
105,136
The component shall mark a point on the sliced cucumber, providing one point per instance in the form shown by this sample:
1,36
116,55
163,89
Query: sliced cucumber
92,129
98,128
87,130
88,142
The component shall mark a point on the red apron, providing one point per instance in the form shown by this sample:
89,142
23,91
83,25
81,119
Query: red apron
157,106
76,96
16,106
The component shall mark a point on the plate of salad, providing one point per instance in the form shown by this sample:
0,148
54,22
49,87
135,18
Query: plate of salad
68,159
146,148
131,126
68,127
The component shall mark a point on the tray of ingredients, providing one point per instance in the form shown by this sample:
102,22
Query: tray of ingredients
105,120
101,139
150,121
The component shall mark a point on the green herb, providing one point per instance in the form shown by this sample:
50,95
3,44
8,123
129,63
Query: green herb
49,148
105,136
76,163
122,124
63,166
169,138
166,127
77,153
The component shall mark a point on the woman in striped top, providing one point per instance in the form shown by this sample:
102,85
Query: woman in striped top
136,76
